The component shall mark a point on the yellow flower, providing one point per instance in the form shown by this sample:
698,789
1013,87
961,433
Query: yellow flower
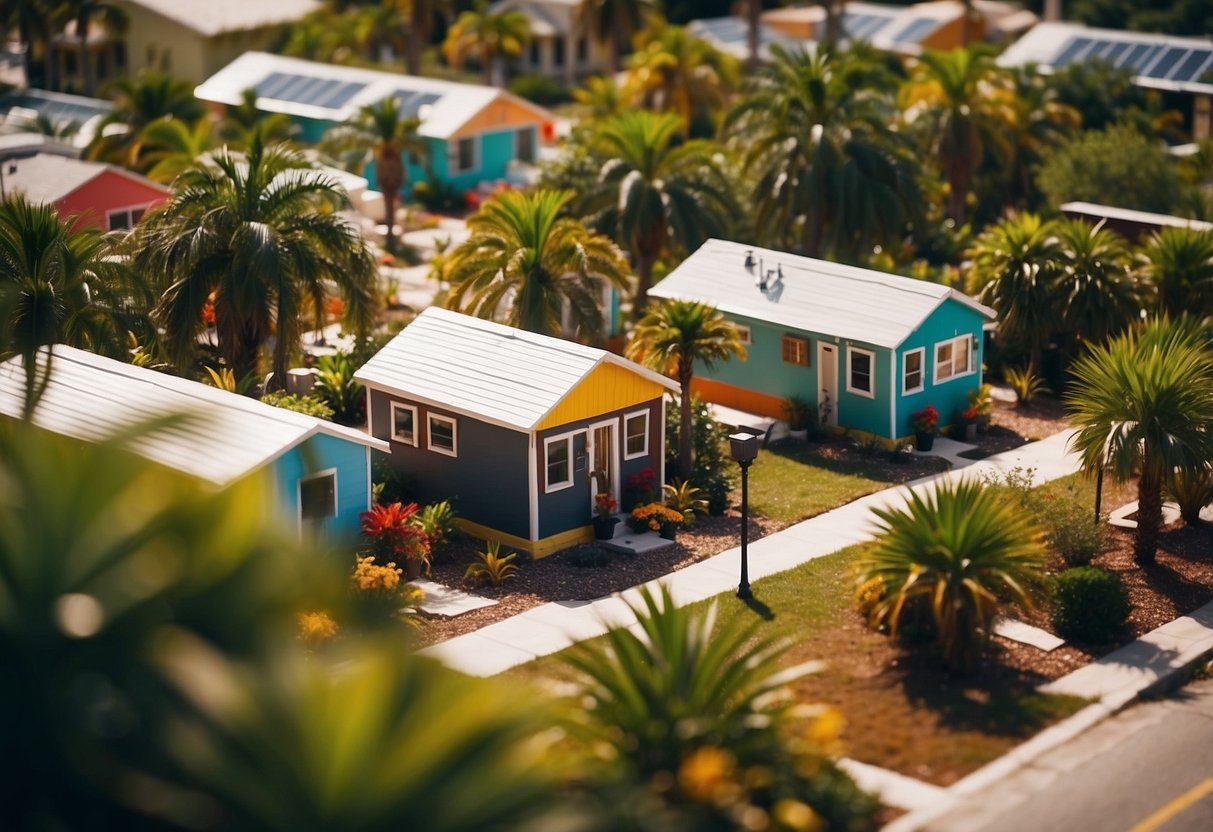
792,814
370,577
316,627
706,772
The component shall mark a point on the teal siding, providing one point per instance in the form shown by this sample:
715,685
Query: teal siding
320,453
950,320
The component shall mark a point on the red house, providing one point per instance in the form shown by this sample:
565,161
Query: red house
99,195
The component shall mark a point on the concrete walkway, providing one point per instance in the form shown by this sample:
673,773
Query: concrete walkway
554,626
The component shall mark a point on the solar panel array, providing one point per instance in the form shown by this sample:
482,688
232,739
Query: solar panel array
57,111
723,29
1180,64
411,101
307,89
918,29
863,26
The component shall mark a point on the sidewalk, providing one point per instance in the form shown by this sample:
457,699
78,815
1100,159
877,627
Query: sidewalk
554,626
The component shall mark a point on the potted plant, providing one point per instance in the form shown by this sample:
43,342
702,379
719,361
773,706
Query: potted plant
640,488
656,517
603,519
926,424
966,424
799,414
394,536
980,399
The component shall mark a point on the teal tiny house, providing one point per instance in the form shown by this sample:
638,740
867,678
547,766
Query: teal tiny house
518,430
316,475
866,348
472,133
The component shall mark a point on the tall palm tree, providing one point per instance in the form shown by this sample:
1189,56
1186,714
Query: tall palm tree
1015,268
487,35
262,233
383,133
962,99
420,26
1143,404
672,338
675,72
138,102
84,13
959,553
1178,265
1041,122
753,21
240,121
654,194
169,146
830,175
615,21
1097,291
31,19
525,260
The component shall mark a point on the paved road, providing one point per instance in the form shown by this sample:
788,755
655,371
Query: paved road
1149,769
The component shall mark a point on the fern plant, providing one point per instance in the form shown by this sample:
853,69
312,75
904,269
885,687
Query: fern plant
1026,384
491,567
336,386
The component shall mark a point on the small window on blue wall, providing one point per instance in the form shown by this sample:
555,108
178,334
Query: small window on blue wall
558,462
860,369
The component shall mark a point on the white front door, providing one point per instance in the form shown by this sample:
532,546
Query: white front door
827,382
603,454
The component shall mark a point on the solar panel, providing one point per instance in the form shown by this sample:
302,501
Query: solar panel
862,26
1163,64
1140,55
306,89
412,102
1116,51
1072,51
917,30
1191,67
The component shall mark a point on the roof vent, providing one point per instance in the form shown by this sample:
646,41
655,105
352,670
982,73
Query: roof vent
749,260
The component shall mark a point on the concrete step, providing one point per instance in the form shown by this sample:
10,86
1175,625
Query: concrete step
635,543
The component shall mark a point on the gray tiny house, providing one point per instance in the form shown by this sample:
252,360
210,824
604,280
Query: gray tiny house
518,430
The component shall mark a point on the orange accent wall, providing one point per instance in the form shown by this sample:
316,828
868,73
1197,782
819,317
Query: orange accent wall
608,387
502,114
737,398
951,34
109,191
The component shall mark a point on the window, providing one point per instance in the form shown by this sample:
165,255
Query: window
583,50
524,145
533,54
911,371
558,462
636,434
124,219
795,350
442,434
558,55
744,335
953,358
861,367
318,496
465,155
404,423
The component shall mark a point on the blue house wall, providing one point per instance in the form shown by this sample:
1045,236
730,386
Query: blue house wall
494,152
951,320
321,453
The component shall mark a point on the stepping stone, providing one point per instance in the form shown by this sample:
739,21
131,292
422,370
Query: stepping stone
1026,634
442,600
1120,517
635,543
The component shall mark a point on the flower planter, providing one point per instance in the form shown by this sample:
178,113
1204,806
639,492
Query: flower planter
799,435
669,531
412,568
970,431
604,527
924,441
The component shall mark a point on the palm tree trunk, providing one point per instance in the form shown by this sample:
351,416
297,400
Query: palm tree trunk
615,50
86,66
644,282
1149,514
753,11
389,219
685,446
486,61
412,49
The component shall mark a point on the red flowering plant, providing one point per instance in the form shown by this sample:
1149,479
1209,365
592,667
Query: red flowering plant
641,487
393,533
604,504
925,420
969,415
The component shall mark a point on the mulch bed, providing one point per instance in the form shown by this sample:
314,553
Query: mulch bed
1012,426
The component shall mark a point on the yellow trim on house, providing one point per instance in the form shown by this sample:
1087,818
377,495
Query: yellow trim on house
607,388
535,548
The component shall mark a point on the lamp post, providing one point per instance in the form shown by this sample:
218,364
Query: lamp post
744,449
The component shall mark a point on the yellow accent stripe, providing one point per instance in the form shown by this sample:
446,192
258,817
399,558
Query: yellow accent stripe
1198,792
536,548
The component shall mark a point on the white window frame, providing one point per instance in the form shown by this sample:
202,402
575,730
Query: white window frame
129,211
744,334
429,434
922,370
567,440
453,159
940,378
870,393
327,472
533,141
645,451
395,437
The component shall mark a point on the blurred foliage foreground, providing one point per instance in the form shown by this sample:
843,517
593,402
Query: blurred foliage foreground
169,661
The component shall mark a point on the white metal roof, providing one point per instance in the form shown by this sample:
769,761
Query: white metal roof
46,178
308,89
216,16
813,295
223,437
1094,211
496,373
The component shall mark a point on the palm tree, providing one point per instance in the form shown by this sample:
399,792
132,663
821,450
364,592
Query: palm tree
1041,123
1097,291
487,35
964,102
959,553
137,103
524,256
261,233
1143,404
1178,265
83,13
615,21
240,121
675,72
601,97
1015,268
420,26
671,338
381,132
169,146
829,173
653,194
679,699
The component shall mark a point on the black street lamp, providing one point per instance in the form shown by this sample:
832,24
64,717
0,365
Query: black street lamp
744,449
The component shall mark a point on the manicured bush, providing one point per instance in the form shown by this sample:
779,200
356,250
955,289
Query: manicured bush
593,557
1070,528
713,471
307,405
541,89
1089,604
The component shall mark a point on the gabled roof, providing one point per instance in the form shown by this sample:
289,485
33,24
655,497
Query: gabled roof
495,373
308,89
223,437
216,16
47,179
1163,62
730,34
813,295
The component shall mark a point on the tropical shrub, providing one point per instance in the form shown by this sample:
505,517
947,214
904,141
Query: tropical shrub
1192,491
491,567
541,89
800,413
438,522
961,552
696,722
391,532
1089,604
684,498
713,470
335,386
1070,528
592,557
307,405
1026,383
981,401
